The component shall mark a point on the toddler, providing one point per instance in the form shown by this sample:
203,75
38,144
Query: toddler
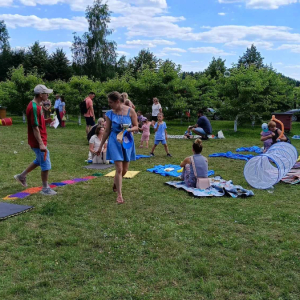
160,134
267,136
146,132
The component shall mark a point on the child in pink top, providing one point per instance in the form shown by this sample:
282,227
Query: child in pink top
146,132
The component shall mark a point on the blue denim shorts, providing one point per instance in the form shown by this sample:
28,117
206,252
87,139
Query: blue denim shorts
200,130
163,142
39,160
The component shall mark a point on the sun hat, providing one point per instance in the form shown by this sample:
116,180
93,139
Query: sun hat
127,140
42,89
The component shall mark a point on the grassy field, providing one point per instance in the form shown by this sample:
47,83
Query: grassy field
161,244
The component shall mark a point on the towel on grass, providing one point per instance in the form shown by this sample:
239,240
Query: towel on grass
255,149
231,155
219,188
161,170
296,137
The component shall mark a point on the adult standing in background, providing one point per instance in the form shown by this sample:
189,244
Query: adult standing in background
89,115
37,139
46,105
56,107
115,118
156,109
62,111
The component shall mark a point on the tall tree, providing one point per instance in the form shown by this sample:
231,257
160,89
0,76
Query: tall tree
216,68
36,58
3,36
251,57
145,59
58,66
93,53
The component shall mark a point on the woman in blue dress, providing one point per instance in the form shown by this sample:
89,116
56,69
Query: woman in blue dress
116,117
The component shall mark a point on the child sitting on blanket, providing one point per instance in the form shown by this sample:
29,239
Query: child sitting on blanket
160,134
146,132
94,143
200,165
266,133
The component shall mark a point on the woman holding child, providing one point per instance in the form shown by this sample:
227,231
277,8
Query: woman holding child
118,116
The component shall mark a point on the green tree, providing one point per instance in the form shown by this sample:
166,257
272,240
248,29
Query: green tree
93,53
36,58
145,59
251,58
18,90
58,66
216,68
4,43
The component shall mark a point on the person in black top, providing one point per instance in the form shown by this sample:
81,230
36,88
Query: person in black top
202,128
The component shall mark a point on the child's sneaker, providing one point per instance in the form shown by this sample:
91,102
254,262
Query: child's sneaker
48,192
21,180
169,155
151,154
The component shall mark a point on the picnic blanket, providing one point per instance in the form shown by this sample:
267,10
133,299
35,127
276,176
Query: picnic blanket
231,155
219,188
129,174
161,170
35,190
296,137
138,156
8,210
255,149
293,176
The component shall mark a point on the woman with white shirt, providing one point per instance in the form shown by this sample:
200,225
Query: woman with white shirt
95,142
156,109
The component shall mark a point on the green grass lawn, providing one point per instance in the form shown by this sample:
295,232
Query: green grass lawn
161,244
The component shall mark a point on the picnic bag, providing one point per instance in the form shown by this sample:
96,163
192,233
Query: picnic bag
201,183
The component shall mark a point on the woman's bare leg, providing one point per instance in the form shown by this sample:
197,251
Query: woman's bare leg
118,180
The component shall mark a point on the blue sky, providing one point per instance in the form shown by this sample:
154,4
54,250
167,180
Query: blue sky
189,32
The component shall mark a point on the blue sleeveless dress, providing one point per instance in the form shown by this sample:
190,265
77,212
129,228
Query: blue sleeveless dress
115,150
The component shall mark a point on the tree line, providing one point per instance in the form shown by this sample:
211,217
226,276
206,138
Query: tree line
247,90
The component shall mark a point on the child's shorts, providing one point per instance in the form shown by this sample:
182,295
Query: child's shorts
145,137
39,160
163,142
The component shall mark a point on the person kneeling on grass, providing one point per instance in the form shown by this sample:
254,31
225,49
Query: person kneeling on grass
197,162
160,134
95,142
202,128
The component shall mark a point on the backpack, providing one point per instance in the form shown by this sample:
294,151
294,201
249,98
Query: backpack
82,107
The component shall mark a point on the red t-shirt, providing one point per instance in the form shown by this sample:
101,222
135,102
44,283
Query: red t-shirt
89,105
35,118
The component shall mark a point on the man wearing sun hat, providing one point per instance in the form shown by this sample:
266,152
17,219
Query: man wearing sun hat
37,139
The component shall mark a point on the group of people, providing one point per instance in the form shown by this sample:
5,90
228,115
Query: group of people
59,108
104,144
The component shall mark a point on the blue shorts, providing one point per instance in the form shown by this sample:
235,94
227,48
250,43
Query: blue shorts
39,160
163,142
200,130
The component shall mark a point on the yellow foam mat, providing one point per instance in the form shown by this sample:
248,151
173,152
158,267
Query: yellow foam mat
129,174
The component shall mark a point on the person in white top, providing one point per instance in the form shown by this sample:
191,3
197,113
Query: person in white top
156,109
95,142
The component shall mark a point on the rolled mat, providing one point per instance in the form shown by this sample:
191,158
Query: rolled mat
6,122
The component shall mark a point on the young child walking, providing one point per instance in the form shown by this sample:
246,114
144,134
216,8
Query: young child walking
146,132
160,134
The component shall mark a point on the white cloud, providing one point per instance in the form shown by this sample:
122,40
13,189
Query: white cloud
292,67
244,43
50,45
175,54
168,49
120,53
293,48
6,3
210,50
195,61
145,43
15,21
262,4
222,14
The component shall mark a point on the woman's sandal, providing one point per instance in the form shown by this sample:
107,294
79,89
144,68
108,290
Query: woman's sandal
114,188
120,200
